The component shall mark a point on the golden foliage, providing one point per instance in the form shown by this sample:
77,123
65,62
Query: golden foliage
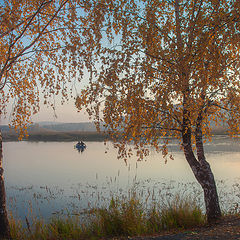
156,68
41,54
167,68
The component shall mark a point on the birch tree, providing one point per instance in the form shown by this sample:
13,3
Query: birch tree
37,60
167,68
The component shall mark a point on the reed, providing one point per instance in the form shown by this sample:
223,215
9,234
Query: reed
125,216
144,209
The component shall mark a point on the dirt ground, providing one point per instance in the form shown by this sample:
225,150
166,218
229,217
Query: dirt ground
227,228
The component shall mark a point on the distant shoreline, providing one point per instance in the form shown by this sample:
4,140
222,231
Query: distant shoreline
57,136
11,136
66,132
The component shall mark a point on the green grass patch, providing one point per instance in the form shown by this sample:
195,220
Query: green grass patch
126,216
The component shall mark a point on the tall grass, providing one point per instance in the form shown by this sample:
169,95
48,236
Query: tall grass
144,209
126,216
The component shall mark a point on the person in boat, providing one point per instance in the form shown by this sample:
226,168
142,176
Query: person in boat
81,144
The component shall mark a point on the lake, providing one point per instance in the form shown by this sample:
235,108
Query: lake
47,178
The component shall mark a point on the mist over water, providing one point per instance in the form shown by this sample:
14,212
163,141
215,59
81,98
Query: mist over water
50,177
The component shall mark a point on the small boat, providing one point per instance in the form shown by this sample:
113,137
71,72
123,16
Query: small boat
80,146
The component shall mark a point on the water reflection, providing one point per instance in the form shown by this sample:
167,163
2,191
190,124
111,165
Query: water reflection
56,163
51,176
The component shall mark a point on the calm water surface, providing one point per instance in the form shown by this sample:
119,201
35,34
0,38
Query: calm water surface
51,177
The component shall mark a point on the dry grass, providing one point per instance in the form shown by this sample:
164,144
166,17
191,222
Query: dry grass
121,217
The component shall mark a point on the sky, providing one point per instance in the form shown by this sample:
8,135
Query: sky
64,113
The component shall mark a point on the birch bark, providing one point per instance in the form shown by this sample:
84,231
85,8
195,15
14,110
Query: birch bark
201,169
4,223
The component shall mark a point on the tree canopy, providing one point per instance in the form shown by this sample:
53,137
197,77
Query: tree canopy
39,40
167,68
155,67
159,59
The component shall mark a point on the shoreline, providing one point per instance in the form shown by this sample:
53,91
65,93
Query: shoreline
69,136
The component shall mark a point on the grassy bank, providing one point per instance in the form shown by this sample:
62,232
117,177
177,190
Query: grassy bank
121,217
137,211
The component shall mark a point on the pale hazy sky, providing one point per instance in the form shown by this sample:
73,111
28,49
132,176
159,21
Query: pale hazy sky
65,113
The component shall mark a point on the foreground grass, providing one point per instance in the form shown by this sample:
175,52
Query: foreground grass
121,217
